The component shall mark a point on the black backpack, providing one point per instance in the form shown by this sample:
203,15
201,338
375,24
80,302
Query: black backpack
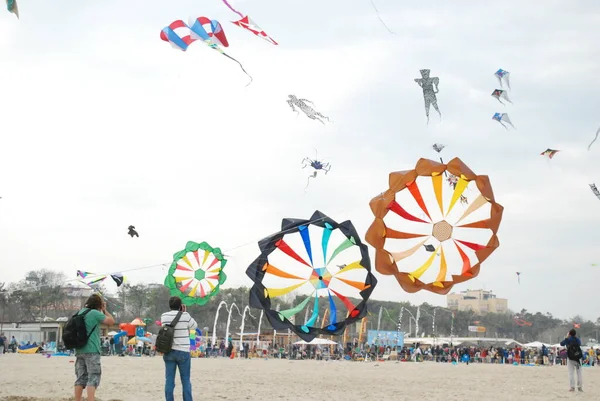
75,334
166,335
574,351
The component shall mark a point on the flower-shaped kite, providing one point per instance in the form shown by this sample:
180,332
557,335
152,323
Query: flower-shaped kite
324,265
417,221
196,273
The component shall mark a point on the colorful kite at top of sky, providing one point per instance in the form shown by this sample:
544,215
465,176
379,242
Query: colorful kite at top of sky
316,165
196,273
12,6
549,153
595,190
324,264
499,93
417,210
503,77
595,139
93,278
503,118
305,108
430,88
247,23
180,35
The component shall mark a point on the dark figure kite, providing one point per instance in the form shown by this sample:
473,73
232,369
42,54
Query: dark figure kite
316,165
132,232
594,189
430,88
306,109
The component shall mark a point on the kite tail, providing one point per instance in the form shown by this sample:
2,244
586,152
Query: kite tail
233,9
595,139
380,19
241,66
307,182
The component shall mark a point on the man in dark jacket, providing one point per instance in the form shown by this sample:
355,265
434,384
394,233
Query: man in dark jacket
573,364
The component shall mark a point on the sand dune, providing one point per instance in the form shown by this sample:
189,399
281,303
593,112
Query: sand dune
36,378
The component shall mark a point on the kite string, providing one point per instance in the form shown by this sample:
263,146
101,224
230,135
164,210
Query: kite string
379,16
241,66
233,9
595,139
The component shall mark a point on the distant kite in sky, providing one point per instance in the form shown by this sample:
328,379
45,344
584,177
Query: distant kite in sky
381,19
595,139
247,23
549,153
519,277
90,279
132,232
430,88
595,190
503,118
500,93
438,147
306,109
11,5
180,36
503,77
316,165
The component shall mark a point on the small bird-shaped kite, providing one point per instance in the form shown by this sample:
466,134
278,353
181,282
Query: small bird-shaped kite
132,232
549,153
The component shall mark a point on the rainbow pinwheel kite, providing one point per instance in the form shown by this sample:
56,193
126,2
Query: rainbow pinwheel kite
196,273
324,265
417,224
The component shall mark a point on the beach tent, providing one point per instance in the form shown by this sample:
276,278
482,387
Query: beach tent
316,341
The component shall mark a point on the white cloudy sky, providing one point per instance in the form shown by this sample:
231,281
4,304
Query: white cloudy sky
104,125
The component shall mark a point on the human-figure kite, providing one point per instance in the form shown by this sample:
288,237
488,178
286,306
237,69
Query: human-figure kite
409,216
180,35
196,273
430,88
132,232
503,118
501,94
306,109
324,264
503,77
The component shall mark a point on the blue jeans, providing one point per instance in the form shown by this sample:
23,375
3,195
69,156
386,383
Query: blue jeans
173,360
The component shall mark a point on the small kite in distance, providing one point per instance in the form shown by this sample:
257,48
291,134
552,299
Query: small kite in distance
132,232
430,88
316,165
549,153
503,77
500,93
429,248
519,277
306,109
595,190
501,118
595,139
438,147
11,6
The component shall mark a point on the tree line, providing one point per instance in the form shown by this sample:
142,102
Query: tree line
43,294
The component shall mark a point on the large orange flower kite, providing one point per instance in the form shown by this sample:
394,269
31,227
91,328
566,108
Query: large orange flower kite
420,223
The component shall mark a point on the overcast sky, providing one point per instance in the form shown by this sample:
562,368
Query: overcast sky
103,125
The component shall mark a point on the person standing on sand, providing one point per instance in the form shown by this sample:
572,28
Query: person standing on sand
87,364
179,356
574,356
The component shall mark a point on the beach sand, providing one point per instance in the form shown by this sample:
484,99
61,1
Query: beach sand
36,378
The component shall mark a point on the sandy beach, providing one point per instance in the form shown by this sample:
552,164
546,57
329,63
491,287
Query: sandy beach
36,378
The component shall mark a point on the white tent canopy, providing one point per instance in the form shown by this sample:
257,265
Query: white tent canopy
536,344
316,341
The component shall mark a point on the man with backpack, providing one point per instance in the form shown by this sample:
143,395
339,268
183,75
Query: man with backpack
83,334
574,356
173,340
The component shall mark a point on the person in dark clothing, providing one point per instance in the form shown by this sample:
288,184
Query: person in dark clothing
573,363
